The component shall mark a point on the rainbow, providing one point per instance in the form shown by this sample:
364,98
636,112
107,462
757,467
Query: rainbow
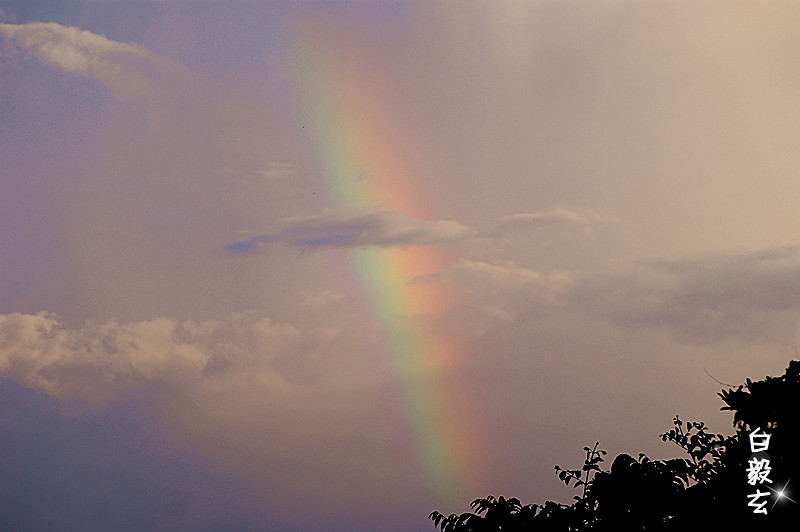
351,126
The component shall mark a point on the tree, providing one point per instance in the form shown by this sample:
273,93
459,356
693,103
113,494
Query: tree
712,489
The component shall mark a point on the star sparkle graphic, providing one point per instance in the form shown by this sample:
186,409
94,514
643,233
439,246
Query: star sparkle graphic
781,494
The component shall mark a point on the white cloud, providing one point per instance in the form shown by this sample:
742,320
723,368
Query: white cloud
128,70
99,360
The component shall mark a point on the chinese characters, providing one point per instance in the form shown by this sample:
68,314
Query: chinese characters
758,470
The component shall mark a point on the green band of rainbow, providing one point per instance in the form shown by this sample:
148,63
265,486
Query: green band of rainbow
351,128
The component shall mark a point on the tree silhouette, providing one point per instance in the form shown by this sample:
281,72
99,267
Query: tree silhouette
709,490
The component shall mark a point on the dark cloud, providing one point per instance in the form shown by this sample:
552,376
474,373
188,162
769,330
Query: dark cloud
358,228
383,228
739,296
247,246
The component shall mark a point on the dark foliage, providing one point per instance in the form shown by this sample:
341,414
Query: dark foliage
706,491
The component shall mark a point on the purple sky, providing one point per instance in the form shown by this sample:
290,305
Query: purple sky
191,195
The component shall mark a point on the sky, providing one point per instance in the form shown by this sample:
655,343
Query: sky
332,266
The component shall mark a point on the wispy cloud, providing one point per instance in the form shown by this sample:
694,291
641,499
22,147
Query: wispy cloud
348,228
509,275
502,291
558,217
128,70
278,170
321,300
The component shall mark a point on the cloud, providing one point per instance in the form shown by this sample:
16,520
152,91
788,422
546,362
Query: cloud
247,246
743,296
357,228
278,170
558,217
499,293
128,70
508,275
321,300
98,360
219,389
738,299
